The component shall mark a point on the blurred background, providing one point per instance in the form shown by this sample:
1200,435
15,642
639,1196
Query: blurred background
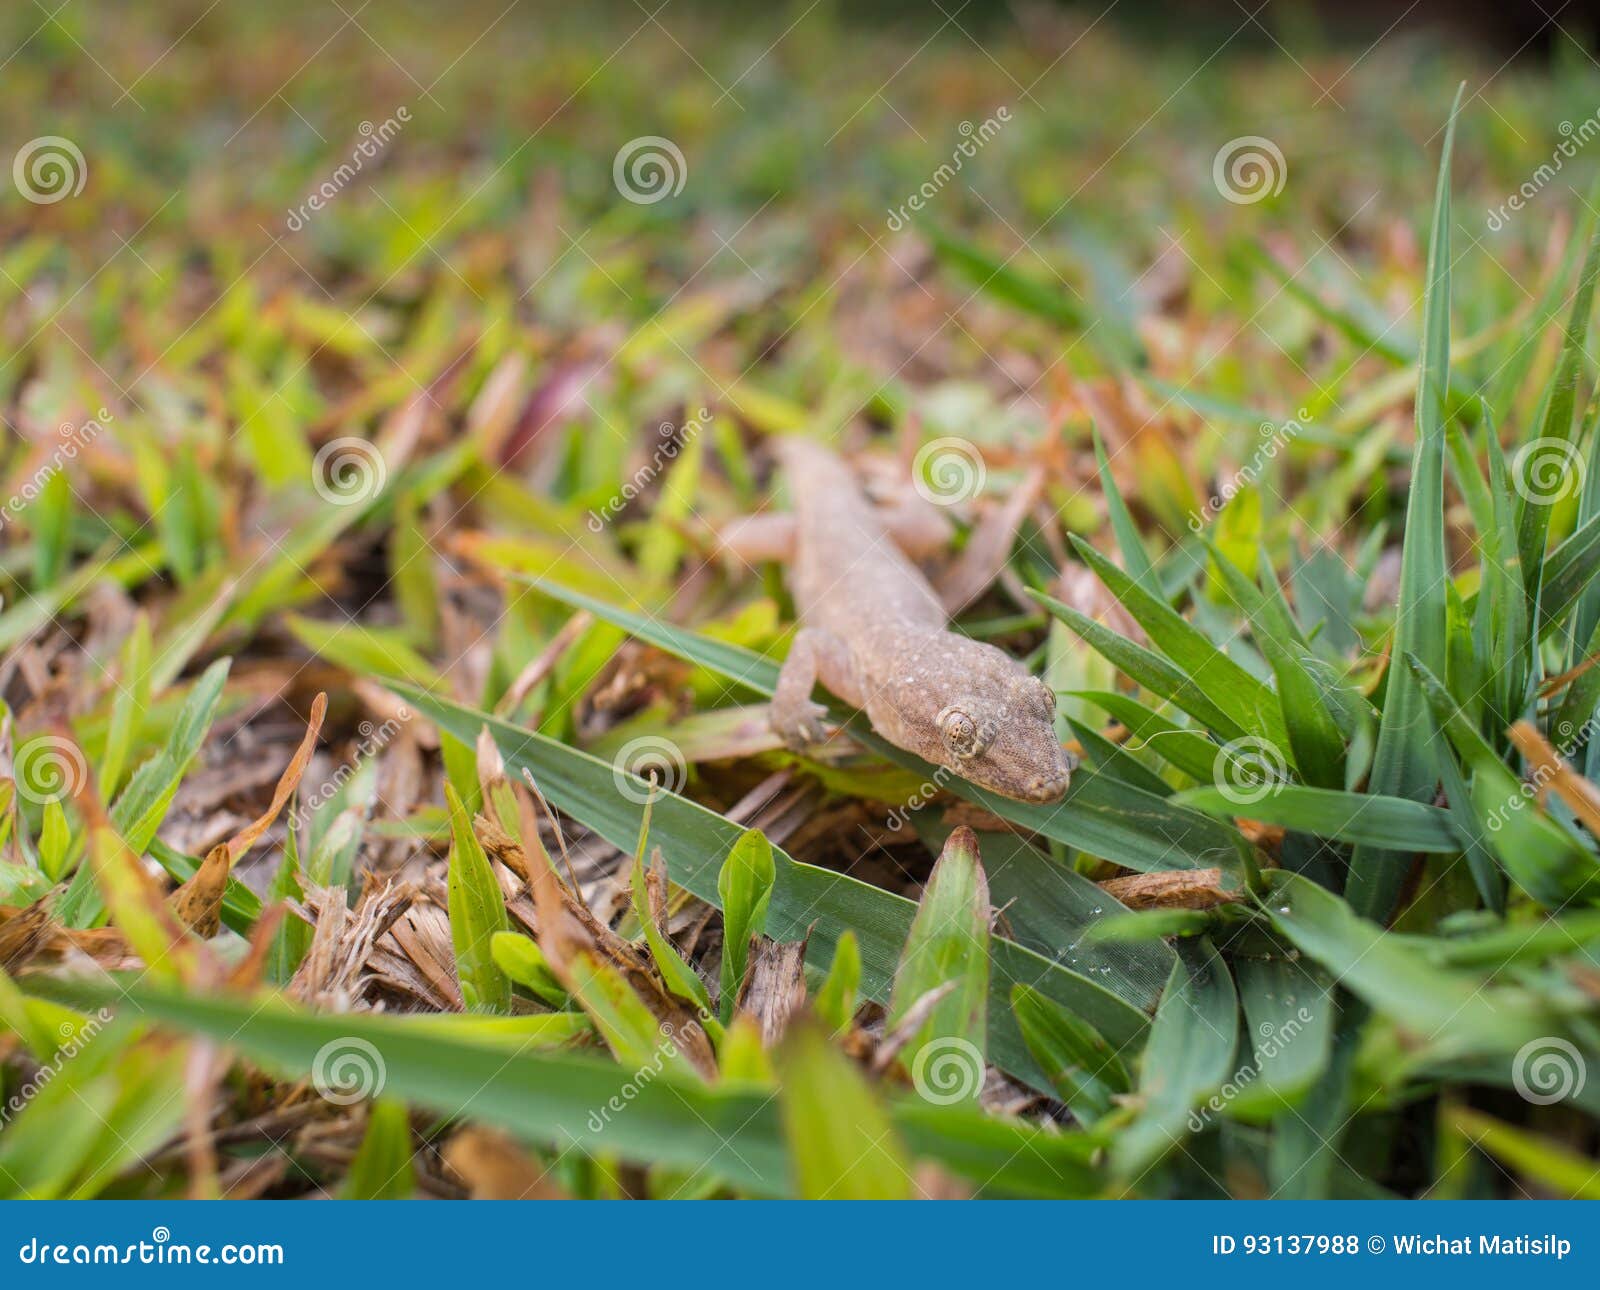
282,218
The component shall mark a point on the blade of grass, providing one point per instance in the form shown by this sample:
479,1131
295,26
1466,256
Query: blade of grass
1403,764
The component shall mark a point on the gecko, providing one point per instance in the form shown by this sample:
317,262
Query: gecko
874,632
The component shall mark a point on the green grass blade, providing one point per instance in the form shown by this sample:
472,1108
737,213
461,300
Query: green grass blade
477,912
1250,705
744,891
803,897
1190,1054
1393,822
1450,1012
841,1141
1403,763
947,949
1107,819
1084,1070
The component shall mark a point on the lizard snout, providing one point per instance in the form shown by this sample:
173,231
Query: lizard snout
1047,788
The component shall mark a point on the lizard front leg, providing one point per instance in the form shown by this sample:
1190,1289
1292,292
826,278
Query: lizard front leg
815,655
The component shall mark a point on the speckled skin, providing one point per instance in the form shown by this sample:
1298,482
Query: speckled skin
874,633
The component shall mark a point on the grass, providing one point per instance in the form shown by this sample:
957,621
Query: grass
388,806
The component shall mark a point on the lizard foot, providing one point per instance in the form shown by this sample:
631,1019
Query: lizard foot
798,725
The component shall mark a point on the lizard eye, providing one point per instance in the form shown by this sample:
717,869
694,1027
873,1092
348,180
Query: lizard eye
1047,697
959,732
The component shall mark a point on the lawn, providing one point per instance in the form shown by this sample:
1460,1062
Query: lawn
388,801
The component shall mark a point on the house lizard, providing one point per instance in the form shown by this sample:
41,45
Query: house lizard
875,634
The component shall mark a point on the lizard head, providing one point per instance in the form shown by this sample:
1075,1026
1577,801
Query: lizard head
979,714
1005,740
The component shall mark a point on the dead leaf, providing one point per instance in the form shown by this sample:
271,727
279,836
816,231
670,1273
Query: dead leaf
1170,889
287,783
198,902
774,986
1577,792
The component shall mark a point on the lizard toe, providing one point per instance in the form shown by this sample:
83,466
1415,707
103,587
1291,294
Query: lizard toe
799,727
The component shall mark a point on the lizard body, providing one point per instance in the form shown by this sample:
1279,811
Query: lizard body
874,633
